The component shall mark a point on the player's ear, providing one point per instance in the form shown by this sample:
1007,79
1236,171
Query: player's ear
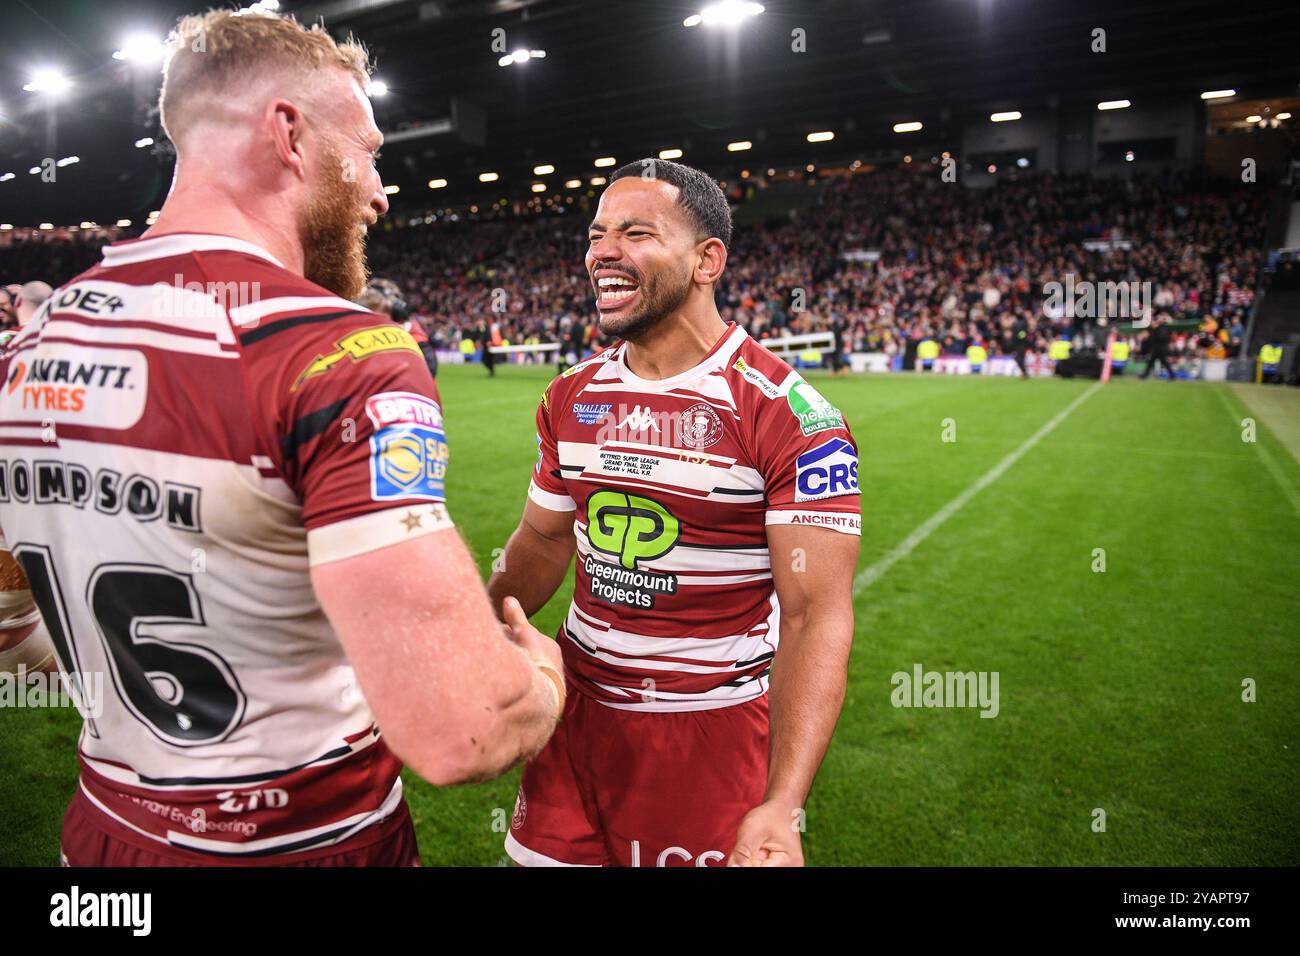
711,260
284,125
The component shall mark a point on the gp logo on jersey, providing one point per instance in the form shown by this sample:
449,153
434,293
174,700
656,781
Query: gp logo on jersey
631,527
827,471
408,451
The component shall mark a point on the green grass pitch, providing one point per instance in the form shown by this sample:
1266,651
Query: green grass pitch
1120,690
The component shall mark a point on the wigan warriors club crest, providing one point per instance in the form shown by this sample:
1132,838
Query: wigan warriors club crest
700,427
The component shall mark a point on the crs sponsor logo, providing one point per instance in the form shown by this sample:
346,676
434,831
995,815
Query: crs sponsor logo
357,346
86,386
408,451
680,856
827,471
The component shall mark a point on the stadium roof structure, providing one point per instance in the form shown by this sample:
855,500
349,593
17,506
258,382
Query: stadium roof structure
626,79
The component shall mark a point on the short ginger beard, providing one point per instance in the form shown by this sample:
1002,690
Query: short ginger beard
333,242
660,298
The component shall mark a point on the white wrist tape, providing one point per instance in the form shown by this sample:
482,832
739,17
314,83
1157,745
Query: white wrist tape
33,652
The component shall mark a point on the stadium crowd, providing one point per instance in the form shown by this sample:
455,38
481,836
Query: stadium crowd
883,257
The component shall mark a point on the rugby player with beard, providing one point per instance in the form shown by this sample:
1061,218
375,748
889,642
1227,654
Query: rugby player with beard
225,490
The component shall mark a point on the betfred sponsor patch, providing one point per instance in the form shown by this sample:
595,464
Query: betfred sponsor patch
408,451
827,471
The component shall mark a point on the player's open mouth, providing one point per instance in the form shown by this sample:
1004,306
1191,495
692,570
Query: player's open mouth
615,291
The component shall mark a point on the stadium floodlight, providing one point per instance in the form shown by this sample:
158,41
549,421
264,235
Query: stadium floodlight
670,153
392,190
1283,116
123,223
603,161
545,169
47,225
727,13
1253,118
1217,94
824,136
6,226
488,177
1023,162
910,127
1008,116
598,180
141,48
572,183
68,161
35,170
437,183
376,88
538,187
87,224
1114,105
47,81
739,147
6,177
143,142
520,57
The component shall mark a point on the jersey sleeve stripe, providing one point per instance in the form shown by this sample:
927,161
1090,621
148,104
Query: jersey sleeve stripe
280,325
550,501
309,426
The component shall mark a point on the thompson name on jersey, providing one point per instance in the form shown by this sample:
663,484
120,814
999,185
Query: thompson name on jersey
187,427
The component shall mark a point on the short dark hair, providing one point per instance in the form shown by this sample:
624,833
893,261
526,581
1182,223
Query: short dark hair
701,197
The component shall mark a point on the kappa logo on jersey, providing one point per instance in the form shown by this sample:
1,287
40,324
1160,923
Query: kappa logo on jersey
639,420
757,378
408,451
700,427
360,345
591,413
827,471
815,414
100,388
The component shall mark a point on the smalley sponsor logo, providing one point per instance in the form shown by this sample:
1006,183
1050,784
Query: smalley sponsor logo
590,413
91,387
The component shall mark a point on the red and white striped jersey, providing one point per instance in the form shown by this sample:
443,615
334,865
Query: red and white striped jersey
187,427
672,484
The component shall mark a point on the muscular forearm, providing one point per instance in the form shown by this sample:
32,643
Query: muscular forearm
532,568
805,698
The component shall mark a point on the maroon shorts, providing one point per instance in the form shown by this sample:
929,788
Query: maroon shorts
631,788
91,838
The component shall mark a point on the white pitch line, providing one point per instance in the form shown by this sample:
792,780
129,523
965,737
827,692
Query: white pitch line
1270,462
872,573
